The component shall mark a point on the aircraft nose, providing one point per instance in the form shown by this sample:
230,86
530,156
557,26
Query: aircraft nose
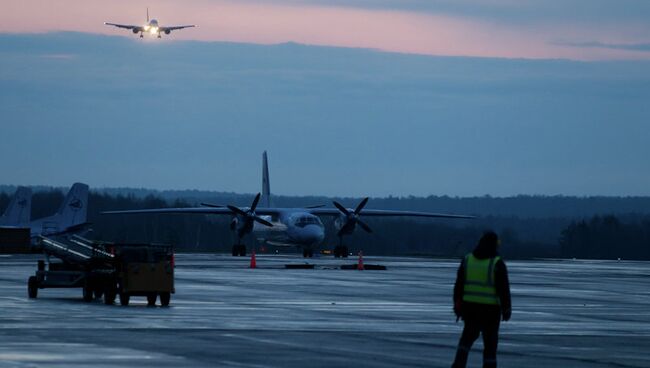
313,234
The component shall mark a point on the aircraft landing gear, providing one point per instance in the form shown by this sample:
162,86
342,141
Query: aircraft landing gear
141,35
341,250
239,250
159,35
307,253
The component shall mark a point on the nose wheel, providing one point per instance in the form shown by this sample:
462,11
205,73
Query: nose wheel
239,250
341,251
307,253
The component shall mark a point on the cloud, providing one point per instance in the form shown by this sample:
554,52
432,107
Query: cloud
58,56
487,28
516,11
642,47
199,114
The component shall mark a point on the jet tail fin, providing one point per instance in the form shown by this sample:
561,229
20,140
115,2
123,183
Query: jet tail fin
19,211
147,15
74,209
266,186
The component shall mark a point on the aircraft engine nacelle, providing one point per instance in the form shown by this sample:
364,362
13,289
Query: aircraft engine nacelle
342,222
167,31
135,30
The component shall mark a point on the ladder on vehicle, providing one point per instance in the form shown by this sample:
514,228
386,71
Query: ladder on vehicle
74,249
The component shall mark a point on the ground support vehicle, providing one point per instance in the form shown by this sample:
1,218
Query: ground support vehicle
144,271
105,270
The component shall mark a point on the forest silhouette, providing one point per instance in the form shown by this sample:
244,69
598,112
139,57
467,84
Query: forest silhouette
529,226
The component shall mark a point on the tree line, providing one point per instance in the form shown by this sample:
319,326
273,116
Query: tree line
625,235
607,237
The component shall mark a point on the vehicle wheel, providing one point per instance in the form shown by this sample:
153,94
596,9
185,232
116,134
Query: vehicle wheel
32,287
151,299
124,299
99,292
242,250
304,253
344,252
87,293
164,299
109,297
235,250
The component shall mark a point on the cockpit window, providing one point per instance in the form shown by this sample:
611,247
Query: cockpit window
307,220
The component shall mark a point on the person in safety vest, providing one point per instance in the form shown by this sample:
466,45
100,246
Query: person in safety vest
481,299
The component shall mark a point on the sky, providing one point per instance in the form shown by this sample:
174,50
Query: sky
574,29
350,98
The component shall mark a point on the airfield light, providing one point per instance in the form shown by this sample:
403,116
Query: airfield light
153,30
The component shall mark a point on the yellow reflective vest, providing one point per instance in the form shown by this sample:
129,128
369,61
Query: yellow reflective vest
479,280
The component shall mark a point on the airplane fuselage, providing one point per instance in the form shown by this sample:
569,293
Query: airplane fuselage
152,27
292,227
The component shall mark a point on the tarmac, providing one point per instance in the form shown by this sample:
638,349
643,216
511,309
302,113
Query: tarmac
566,314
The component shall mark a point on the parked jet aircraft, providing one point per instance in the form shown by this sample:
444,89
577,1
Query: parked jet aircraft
152,27
70,217
293,227
19,210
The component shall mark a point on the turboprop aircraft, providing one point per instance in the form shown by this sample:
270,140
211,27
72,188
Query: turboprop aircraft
18,212
291,227
152,27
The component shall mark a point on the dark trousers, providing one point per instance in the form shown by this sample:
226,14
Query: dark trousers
480,319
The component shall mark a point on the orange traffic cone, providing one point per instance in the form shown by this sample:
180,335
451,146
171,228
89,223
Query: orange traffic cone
253,261
360,265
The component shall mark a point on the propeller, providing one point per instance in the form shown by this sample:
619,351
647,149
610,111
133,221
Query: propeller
352,218
250,215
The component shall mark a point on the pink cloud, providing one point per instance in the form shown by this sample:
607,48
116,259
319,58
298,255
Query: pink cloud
58,56
397,31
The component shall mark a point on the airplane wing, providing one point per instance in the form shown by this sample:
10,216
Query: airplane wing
194,210
125,26
174,28
388,213
275,211
191,210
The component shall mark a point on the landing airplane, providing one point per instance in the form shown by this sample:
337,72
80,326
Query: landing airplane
18,212
70,217
150,27
291,227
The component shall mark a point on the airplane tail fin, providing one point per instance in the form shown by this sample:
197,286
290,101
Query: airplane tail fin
266,186
147,15
74,209
19,211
